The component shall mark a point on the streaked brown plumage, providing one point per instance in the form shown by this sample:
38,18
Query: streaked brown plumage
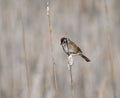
70,48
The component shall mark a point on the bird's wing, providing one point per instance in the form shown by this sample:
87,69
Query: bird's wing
73,47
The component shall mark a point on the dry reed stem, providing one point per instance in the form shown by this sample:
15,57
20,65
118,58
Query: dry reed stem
105,89
55,80
103,93
25,60
109,39
53,61
14,85
71,81
70,63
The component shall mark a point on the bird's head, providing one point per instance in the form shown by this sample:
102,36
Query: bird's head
63,40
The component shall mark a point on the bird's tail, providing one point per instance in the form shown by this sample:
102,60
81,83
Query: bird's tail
83,56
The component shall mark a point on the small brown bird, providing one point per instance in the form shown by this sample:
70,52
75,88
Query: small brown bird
70,48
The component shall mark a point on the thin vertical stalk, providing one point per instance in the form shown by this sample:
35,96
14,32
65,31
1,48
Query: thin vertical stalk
55,80
105,95
70,63
109,39
25,60
14,84
71,81
53,61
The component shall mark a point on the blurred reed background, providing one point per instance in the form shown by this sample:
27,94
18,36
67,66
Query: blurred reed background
26,66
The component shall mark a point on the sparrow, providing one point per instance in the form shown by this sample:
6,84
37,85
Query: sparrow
70,48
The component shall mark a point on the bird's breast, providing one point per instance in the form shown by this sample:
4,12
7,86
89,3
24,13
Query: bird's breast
65,48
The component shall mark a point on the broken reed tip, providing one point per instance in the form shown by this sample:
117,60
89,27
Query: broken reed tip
48,9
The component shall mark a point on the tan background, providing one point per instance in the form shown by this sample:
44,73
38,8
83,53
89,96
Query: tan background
93,24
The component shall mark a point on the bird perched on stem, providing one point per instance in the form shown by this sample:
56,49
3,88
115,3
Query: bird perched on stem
70,48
